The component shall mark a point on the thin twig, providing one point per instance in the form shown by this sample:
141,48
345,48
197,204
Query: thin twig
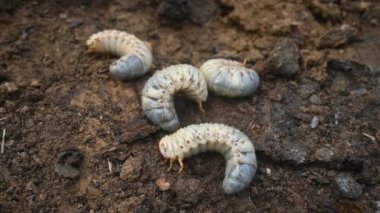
3,142
109,165
369,136
3,118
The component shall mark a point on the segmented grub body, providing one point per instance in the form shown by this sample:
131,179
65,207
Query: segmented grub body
229,78
158,93
136,55
233,144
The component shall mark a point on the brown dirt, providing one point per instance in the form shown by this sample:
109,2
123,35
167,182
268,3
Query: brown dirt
54,96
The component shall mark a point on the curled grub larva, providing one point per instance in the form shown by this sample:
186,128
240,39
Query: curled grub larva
136,55
236,147
229,78
157,95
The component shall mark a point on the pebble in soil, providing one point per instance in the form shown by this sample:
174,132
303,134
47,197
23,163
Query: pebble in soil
131,168
348,187
284,60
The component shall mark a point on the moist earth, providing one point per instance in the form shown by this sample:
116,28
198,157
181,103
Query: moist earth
76,139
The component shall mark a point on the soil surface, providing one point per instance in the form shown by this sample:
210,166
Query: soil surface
314,121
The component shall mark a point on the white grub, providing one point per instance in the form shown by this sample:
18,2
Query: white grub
236,147
158,94
136,55
229,78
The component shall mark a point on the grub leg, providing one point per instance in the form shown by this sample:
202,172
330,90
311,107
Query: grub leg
171,165
180,161
200,106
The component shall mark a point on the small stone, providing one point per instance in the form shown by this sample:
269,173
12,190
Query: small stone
35,83
314,122
68,163
162,184
284,59
131,168
347,186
